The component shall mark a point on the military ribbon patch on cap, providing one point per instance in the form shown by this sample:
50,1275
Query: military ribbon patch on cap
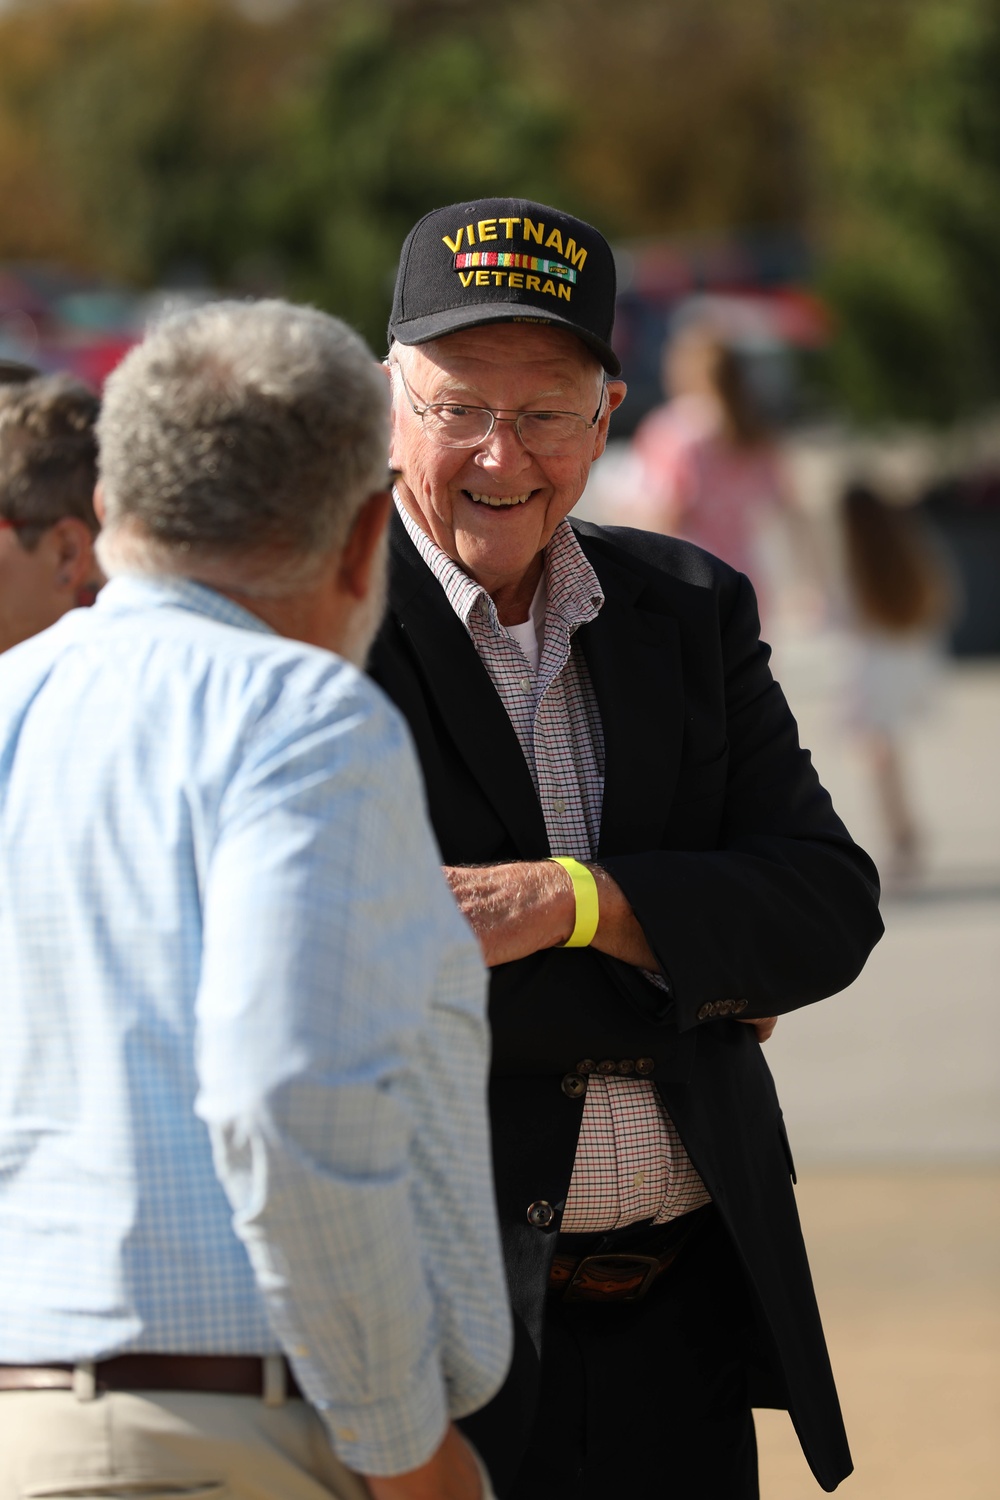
508,260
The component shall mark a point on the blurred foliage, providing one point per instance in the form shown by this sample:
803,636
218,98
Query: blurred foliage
404,110
288,146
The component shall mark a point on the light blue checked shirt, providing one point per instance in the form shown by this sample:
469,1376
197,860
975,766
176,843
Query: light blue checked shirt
235,993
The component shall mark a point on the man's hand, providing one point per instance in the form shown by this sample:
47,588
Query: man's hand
764,1025
451,1473
521,908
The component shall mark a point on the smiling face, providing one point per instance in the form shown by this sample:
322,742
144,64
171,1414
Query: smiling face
493,508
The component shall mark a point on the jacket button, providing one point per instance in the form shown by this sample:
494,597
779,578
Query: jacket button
644,1066
626,1066
726,1007
573,1085
587,1066
739,1006
540,1214
705,1012
607,1066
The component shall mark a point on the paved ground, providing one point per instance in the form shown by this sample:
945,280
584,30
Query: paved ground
906,1268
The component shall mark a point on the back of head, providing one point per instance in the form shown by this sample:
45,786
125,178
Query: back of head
238,442
897,583
48,454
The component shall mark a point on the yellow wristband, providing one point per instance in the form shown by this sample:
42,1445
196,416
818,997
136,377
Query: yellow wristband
588,906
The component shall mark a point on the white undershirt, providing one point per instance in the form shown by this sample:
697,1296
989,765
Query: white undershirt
530,635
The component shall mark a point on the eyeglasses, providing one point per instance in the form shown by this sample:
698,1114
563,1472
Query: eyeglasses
455,425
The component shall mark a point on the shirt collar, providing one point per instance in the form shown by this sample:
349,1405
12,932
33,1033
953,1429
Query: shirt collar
574,592
128,592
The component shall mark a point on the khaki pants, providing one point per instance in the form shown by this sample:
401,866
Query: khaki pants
178,1446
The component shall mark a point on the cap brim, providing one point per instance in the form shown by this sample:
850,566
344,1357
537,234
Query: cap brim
451,319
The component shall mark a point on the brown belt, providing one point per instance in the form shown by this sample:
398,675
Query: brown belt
625,1275
218,1374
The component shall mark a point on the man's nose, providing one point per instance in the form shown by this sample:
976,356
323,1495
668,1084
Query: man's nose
503,448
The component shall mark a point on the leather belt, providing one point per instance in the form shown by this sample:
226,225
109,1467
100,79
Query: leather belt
217,1374
626,1275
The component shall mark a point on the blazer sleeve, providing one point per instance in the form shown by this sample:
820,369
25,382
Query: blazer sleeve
782,910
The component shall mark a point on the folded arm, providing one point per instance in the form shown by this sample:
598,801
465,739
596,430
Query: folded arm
782,911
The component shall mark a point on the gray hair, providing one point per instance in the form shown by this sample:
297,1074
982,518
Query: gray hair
238,442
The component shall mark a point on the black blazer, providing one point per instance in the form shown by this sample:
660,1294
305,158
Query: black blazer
747,885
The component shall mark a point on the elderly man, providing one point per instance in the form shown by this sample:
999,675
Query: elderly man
242,1081
652,867
48,466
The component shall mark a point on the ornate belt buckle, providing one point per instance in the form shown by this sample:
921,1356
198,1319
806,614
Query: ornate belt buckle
585,1285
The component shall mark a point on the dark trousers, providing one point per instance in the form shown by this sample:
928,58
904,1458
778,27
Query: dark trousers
648,1400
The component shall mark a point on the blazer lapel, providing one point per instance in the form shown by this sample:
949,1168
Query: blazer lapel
633,652
464,695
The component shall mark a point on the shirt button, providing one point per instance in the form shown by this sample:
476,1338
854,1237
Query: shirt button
638,1179
525,684
559,805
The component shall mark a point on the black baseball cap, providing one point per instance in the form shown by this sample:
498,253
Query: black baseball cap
501,260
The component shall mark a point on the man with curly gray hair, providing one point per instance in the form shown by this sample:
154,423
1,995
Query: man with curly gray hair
247,1232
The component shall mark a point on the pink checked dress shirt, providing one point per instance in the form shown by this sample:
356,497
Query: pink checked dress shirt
630,1164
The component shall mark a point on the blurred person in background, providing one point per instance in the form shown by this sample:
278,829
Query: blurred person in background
900,597
707,467
48,469
652,867
247,1236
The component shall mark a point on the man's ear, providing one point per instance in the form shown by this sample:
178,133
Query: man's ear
361,550
100,508
616,390
72,549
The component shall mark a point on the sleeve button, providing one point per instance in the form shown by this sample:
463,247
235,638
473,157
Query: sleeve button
644,1066
626,1066
607,1067
540,1214
588,1065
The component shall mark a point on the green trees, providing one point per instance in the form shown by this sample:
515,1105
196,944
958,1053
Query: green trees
403,110
155,138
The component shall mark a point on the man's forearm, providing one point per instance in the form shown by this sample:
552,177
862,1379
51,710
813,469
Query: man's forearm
451,1473
524,907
